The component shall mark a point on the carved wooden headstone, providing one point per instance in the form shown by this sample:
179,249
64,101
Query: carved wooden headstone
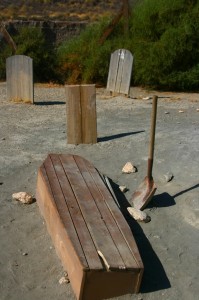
19,77
120,69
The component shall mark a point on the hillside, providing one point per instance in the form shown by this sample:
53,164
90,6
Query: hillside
67,10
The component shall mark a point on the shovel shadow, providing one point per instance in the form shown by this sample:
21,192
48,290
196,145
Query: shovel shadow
154,278
162,200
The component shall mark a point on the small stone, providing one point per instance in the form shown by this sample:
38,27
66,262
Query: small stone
181,111
129,168
146,98
123,188
167,112
24,253
197,109
23,197
167,177
139,215
64,280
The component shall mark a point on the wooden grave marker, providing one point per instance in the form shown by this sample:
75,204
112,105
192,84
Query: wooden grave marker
81,114
19,77
120,70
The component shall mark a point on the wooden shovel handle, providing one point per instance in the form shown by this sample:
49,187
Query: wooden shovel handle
152,135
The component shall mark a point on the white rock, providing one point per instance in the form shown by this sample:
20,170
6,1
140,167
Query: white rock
123,188
138,215
166,177
197,109
23,197
129,168
181,111
63,280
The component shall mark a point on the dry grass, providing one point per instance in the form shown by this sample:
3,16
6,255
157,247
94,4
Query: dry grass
61,10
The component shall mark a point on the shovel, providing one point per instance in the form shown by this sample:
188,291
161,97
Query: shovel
142,196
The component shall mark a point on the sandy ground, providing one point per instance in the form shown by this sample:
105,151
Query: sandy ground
29,266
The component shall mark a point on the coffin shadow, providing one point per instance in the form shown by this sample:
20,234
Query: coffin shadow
155,277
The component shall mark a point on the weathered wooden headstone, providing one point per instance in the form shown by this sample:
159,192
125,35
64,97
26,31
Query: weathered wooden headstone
120,69
81,114
19,77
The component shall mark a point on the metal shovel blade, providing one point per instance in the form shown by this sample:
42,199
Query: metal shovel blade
142,196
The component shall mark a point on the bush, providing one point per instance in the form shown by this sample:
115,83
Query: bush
32,42
83,59
5,51
166,44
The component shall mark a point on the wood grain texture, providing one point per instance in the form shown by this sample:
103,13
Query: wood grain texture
90,234
74,114
120,71
81,114
19,77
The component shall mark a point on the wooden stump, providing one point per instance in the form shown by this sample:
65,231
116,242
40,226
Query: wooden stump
81,114
19,76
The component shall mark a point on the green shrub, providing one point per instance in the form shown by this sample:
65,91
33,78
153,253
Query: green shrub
166,44
83,59
5,51
32,42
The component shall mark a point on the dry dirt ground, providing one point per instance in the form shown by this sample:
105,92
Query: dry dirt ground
29,267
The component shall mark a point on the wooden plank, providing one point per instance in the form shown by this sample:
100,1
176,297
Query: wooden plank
88,117
120,70
113,69
119,219
65,249
79,223
113,229
127,71
63,210
74,119
92,216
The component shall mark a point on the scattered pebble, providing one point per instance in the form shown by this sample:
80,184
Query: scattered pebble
123,188
63,280
23,197
24,253
197,109
129,168
167,112
139,215
167,177
146,98
181,111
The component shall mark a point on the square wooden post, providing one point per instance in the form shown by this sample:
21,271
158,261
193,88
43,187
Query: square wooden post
81,114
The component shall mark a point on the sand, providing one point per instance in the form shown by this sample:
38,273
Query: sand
169,244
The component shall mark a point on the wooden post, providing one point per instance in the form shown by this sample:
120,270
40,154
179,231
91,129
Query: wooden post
81,114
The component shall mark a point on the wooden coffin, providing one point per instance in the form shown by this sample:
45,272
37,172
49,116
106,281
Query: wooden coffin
90,234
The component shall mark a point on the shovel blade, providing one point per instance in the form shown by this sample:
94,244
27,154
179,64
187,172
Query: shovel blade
143,195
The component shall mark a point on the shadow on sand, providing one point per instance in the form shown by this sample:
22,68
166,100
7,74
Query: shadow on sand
117,136
154,277
49,103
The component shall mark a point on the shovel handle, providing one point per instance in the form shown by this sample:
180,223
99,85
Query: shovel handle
152,135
